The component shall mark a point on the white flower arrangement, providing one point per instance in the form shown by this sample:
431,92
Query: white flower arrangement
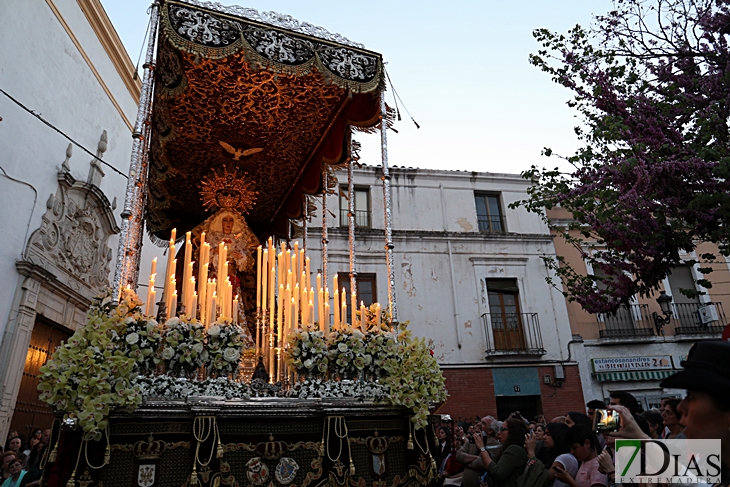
183,346
308,352
347,354
224,347
142,340
164,386
320,388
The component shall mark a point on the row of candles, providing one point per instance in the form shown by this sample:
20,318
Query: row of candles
296,301
285,297
211,301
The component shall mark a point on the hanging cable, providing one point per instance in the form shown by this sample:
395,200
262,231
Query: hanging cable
49,124
30,218
141,49
401,101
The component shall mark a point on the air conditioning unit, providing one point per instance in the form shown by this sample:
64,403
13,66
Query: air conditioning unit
707,314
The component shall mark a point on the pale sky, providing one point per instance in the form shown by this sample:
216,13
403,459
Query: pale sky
461,68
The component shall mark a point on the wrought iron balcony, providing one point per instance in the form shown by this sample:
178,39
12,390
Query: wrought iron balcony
512,334
698,319
628,322
362,218
491,223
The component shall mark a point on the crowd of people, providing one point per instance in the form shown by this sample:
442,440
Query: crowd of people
21,461
567,452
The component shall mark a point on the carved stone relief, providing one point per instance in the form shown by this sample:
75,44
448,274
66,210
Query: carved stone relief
72,241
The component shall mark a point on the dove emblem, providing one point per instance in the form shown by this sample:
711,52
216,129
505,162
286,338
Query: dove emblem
238,153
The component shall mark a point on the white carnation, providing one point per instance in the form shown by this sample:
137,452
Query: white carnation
132,338
214,331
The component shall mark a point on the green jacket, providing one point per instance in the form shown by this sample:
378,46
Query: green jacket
509,467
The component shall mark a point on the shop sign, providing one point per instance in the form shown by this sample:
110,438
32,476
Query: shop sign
663,362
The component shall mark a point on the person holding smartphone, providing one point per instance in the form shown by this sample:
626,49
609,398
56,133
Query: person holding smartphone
512,458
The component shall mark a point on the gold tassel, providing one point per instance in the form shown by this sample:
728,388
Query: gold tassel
433,463
352,468
410,439
54,453
72,481
217,482
219,453
194,477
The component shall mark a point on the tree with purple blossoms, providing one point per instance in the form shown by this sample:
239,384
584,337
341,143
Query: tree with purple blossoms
651,83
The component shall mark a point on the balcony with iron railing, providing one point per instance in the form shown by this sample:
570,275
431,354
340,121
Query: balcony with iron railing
635,322
628,322
692,319
491,223
512,334
362,218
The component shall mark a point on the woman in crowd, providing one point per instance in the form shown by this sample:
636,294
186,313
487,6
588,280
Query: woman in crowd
5,460
512,457
655,421
584,447
444,448
540,432
556,442
16,473
34,472
671,417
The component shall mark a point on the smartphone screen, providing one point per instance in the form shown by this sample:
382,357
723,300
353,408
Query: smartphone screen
606,421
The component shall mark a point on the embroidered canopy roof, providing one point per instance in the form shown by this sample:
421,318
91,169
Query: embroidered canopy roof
260,94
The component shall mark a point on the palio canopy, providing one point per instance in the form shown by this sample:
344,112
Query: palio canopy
259,94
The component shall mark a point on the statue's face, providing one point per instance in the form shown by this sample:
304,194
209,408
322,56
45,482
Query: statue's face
227,223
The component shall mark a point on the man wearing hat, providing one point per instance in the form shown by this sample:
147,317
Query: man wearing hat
706,408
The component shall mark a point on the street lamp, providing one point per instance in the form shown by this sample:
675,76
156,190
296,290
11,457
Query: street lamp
665,303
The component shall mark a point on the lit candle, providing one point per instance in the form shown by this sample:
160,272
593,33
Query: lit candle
353,304
343,315
219,270
173,235
173,306
213,307
151,309
295,312
150,290
264,278
304,297
293,269
310,313
187,272
195,304
235,309
153,270
272,296
377,316
320,298
337,307
258,277
280,311
287,309
295,318
363,318
203,296
327,319
326,310
336,287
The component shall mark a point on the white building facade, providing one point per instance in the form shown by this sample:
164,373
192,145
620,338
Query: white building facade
469,276
63,60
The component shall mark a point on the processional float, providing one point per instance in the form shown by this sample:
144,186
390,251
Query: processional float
243,120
